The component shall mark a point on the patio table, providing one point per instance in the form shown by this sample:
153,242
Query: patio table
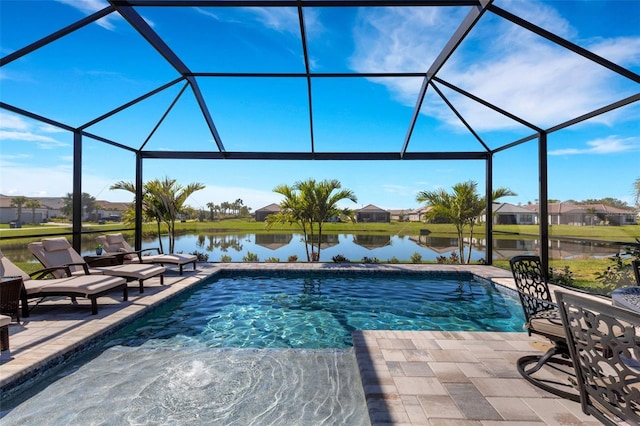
627,297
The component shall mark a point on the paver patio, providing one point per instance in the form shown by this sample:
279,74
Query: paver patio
409,377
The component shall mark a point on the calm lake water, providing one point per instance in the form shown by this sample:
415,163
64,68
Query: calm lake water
383,247
352,246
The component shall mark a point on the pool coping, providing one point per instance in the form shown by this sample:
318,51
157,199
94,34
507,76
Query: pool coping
53,334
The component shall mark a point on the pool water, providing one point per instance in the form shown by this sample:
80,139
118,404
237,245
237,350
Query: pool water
254,349
321,311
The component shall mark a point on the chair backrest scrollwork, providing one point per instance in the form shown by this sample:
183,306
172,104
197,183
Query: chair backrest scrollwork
604,343
532,287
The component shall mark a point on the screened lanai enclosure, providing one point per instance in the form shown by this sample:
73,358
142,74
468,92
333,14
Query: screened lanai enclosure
518,94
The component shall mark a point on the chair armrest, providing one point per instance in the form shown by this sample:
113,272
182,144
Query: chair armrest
121,255
41,273
108,260
156,249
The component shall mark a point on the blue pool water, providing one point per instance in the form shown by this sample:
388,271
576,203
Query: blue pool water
254,349
321,311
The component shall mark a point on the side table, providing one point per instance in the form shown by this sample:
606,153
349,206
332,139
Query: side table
627,297
11,289
102,260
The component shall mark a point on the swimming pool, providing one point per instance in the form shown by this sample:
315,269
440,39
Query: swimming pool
256,349
304,310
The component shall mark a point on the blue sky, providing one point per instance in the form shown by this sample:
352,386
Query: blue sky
106,64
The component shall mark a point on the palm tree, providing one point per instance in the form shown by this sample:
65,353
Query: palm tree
162,200
169,197
211,206
87,201
636,191
292,211
18,202
309,204
325,202
33,205
462,208
150,211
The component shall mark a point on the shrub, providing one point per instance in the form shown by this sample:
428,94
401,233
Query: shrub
370,260
563,276
292,258
272,260
416,258
452,259
616,275
394,260
250,257
225,258
202,257
339,258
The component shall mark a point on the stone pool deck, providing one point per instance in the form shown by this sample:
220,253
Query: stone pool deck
409,377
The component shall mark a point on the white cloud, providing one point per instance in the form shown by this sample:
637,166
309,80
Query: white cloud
500,62
13,122
15,128
609,145
91,6
206,12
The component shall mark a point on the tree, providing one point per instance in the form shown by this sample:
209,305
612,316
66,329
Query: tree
607,201
88,204
211,207
18,202
33,205
163,200
636,191
309,204
462,208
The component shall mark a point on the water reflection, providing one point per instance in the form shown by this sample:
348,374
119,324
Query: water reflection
354,247
372,241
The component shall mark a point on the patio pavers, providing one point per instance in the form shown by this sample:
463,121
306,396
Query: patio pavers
454,386
409,377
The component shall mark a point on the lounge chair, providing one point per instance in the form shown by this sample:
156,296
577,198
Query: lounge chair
635,265
89,286
5,320
604,342
54,252
542,318
115,244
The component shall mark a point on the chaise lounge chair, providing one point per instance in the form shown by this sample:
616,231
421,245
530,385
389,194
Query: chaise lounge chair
89,286
542,318
115,244
5,320
55,252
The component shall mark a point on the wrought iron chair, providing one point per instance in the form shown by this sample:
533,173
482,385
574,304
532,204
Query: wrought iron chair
604,343
543,318
635,265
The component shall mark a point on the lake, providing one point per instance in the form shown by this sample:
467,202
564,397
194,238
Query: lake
352,246
383,247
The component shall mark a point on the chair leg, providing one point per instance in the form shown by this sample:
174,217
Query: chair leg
4,338
556,359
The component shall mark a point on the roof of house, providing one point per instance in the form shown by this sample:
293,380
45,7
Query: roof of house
273,207
560,208
506,208
57,203
371,208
